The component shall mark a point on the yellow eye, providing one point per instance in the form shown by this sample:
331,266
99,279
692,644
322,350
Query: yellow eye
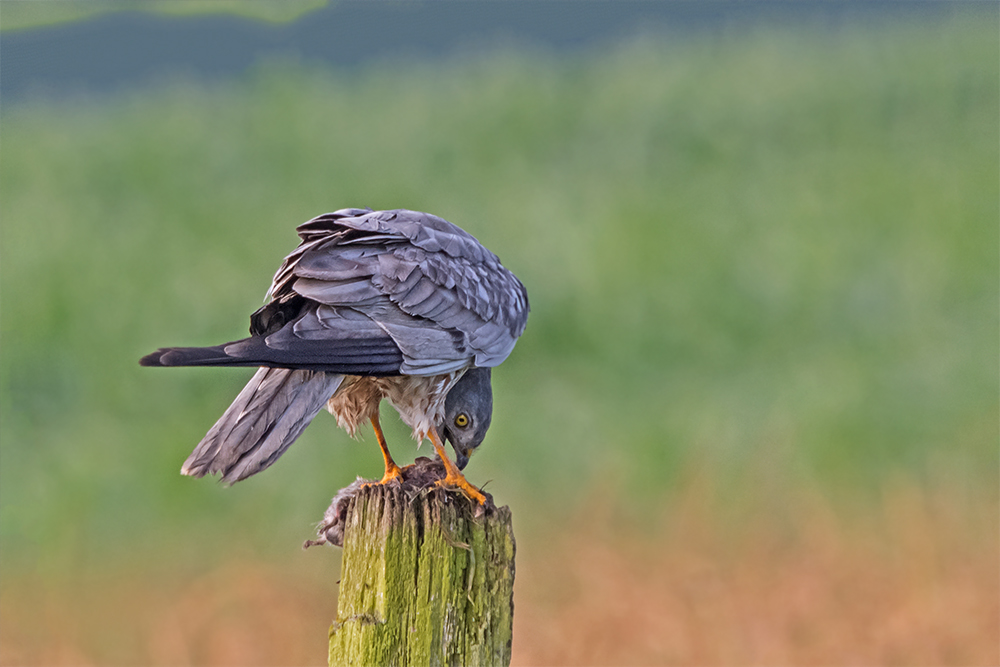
461,420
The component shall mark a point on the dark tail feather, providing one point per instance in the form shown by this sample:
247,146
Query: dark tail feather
190,356
266,417
377,355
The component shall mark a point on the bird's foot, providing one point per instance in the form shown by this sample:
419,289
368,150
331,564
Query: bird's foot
458,481
453,477
392,474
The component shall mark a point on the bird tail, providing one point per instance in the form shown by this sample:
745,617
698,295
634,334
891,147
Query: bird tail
264,420
194,356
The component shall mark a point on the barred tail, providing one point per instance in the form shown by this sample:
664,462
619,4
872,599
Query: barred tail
266,417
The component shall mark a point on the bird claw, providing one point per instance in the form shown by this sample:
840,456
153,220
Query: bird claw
460,483
392,474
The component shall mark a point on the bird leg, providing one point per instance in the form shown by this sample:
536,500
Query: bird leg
391,469
453,476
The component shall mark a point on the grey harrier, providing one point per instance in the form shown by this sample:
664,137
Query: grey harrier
398,305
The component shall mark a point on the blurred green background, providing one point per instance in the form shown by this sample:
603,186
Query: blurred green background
24,15
769,256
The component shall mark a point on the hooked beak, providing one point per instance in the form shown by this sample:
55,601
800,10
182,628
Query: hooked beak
461,457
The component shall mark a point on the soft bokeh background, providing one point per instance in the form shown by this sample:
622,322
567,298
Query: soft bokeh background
754,417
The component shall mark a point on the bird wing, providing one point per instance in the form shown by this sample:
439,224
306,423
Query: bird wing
264,420
444,300
316,337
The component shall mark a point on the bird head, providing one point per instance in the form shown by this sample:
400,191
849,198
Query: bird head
468,410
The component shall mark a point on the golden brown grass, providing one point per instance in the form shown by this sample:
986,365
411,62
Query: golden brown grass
913,582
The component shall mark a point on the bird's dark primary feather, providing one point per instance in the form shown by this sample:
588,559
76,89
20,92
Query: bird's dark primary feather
375,358
321,338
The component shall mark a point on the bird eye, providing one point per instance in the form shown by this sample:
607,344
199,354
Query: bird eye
461,420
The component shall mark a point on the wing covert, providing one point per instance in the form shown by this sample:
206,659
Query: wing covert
444,299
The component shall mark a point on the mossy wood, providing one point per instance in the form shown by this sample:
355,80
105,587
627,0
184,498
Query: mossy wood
424,581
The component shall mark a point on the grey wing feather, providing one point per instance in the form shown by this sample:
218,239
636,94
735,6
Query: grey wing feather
444,299
487,304
264,420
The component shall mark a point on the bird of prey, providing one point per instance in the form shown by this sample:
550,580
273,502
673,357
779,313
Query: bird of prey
396,304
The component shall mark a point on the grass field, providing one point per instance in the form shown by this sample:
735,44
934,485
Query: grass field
755,406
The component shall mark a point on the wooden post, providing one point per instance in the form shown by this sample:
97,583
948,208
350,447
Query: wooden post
424,581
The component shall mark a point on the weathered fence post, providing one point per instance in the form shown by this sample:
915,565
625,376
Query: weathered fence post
424,581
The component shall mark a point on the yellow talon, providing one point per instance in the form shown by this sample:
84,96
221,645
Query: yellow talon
391,472
463,485
453,476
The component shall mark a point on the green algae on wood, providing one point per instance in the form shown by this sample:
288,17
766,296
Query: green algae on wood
424,581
